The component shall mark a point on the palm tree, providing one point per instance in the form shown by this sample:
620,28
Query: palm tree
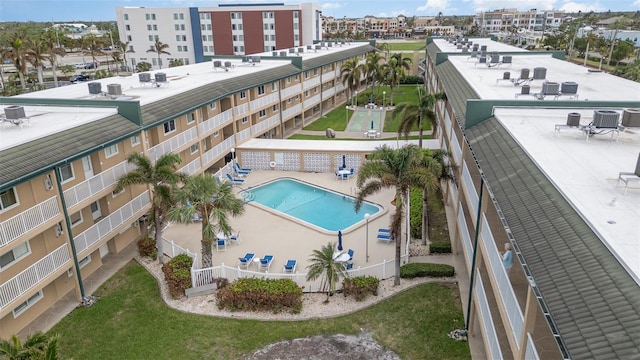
372,68
435,161
394,70
36,346
124,50
400,169
162,177
117,60
92,45
18,52
53,51
322,264
204,195
414,114
350,73
159,48
38,55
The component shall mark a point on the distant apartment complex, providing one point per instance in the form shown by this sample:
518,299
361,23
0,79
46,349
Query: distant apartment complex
196,34
512,20
63,149
373,27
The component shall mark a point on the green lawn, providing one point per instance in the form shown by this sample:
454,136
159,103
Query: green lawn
131,322
406,46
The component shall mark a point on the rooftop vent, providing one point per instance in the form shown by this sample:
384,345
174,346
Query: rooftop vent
631,118
217,64
227,64
14,112
144,77
309,47
283,53
255,59
300,49
569,87
95,88
161,77
292,50
274,53
330,44
539,73
573,119
245,59
506,75
115,89
524,74
525,89
318,47
550,88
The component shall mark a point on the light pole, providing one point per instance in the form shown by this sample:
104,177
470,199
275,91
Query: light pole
233,157
356,99
366,217
384,95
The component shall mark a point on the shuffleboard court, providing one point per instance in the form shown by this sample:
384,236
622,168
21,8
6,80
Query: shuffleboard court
366,119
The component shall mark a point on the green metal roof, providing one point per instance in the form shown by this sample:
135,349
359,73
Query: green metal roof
330,58
457,89
19,163
593,300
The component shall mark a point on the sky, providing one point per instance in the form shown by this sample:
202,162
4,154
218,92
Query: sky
104,10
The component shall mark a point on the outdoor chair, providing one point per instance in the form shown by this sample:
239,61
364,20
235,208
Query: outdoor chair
290,266
350,252
234,180
627,177
235,237
384,231
348,266
246,260
221,245
241,169
385,238
265,263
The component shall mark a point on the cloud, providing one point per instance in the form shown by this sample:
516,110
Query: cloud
572,6
435,6
333,5
636,3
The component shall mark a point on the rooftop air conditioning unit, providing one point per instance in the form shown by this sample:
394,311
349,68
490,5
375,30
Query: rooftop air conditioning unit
309,47
292,50
539,73
569,87
524,74
605,118
318,47
114,89
274,53
631,118
95,88
300,49
573,119
14,112
161,77
283,53
144,77
550,88
255,59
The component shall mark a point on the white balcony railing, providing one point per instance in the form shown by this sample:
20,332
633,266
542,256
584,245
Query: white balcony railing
218,151
240,110
308,84
243,135
311,101
34,274
192,167
173,144
267,124
290,91
264,101
328,93
291,112
328,76
216,122
95,184
104,227
27,220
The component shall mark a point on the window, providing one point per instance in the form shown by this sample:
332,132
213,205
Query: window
194,148
295,26
262,113
215,134
149,27
169,126
109,151
14,255
295,14
84,261
175,16
212,106
296,37
233,15
273,86
245,120
128,37
243,94
155,27
8,198
27,304
126,16
315,71
127,27
275,108
306,74
75,218
135,140
265,26
266,38
66,173
191,117
95,210
306,93
273,37
147,16
260,89
153,16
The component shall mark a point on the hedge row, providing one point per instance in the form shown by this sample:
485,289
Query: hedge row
360,287
414,270
252,294
177,273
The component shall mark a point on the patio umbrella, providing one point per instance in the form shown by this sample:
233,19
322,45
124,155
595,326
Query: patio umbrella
344,161
339,240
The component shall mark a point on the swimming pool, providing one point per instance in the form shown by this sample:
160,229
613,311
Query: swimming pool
312,205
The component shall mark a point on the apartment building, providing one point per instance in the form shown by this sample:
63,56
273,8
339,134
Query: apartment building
536,169
62,150
196,34
508,20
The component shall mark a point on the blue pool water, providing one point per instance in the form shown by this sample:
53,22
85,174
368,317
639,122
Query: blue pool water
311,204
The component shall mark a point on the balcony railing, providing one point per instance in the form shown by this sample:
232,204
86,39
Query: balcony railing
240,110
289,91
328,93
104,227
264,101
311,82
243,135
218,152
311,101
192,167
215,122
291,112
95,184
27,220
34,274
267,124
173,143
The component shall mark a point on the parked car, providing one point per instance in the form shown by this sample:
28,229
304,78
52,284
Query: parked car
78,78
91,65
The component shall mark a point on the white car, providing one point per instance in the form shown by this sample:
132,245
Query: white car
79,65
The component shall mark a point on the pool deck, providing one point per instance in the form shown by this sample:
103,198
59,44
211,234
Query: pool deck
263,232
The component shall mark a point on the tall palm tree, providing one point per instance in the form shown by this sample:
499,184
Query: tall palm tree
92,45
372,68
322,264
38,55
415,114
162,178
18,52
124,50
36,346
394,70
399,169
159,48
204,195
350,73
53,51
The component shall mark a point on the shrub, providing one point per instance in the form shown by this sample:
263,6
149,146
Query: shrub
177,273
412,79
440,247
410,271
147,247
360,286
253,294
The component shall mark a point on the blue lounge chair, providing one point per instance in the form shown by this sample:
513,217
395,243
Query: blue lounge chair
386,238
221,245
290,266
265,263
234,180
246,260
241,169
384,231
348,266
350,252
235,237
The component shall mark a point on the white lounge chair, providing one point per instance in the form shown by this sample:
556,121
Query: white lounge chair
246,260
221,245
